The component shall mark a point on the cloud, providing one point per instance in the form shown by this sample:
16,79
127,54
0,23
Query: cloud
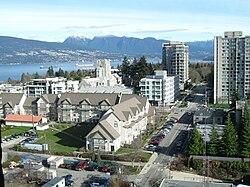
92,27
159,31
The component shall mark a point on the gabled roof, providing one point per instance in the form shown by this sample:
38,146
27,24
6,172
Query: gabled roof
29,101
14,98
23,118
127,108
86,101
103,129
68,100
93,98
105,102
9,103
50,98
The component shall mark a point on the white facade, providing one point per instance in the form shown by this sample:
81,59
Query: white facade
231,66
55,85
175,60
160,89
120,125
103,76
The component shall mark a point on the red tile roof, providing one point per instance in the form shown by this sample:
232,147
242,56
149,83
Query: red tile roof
23,118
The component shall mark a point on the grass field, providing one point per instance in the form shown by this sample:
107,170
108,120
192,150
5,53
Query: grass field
61,142
225,106
124,150
8,130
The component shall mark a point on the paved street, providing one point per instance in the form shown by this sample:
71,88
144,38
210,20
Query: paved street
166,152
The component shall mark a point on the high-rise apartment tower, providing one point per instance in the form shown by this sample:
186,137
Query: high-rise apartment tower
175,60
231,66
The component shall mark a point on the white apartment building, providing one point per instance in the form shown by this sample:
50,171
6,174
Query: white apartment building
55,85
160,89
175,60
231,66
103,78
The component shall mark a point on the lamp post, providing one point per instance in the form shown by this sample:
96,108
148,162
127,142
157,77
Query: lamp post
33,122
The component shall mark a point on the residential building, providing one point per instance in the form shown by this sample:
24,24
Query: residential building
160,89
119,118
47,106
5,87
175,60
103,76
12,103
231,66
55,85
120,125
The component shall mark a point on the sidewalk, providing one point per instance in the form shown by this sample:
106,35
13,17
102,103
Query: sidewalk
149,163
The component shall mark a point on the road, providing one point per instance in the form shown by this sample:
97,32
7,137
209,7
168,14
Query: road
167,149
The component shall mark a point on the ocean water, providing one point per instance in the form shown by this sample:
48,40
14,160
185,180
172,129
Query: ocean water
15,71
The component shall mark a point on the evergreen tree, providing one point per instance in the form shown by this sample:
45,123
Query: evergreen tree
234,97
196,143
36,75
244,133
126,71
50,72
214,140
59,73
139,70
229,140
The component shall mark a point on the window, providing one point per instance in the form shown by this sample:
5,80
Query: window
112,148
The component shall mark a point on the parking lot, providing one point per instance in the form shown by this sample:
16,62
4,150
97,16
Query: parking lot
10,141
80,177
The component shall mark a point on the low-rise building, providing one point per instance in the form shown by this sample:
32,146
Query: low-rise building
55,85
24,120
208,116
160,89
56,182
120,125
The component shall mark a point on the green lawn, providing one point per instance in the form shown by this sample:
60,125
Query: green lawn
60,142
225,106
8,130
124,150
130,170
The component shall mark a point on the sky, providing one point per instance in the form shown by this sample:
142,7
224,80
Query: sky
176,20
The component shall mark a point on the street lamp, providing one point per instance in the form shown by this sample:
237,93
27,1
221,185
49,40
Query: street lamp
33,122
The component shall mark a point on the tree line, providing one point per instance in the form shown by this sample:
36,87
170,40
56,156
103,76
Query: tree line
72,75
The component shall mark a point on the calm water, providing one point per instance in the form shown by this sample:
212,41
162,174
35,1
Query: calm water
14,71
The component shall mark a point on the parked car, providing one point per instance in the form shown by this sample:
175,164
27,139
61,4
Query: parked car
81,165
150,147
175,120
104,169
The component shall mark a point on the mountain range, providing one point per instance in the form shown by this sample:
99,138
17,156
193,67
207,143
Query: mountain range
77,48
